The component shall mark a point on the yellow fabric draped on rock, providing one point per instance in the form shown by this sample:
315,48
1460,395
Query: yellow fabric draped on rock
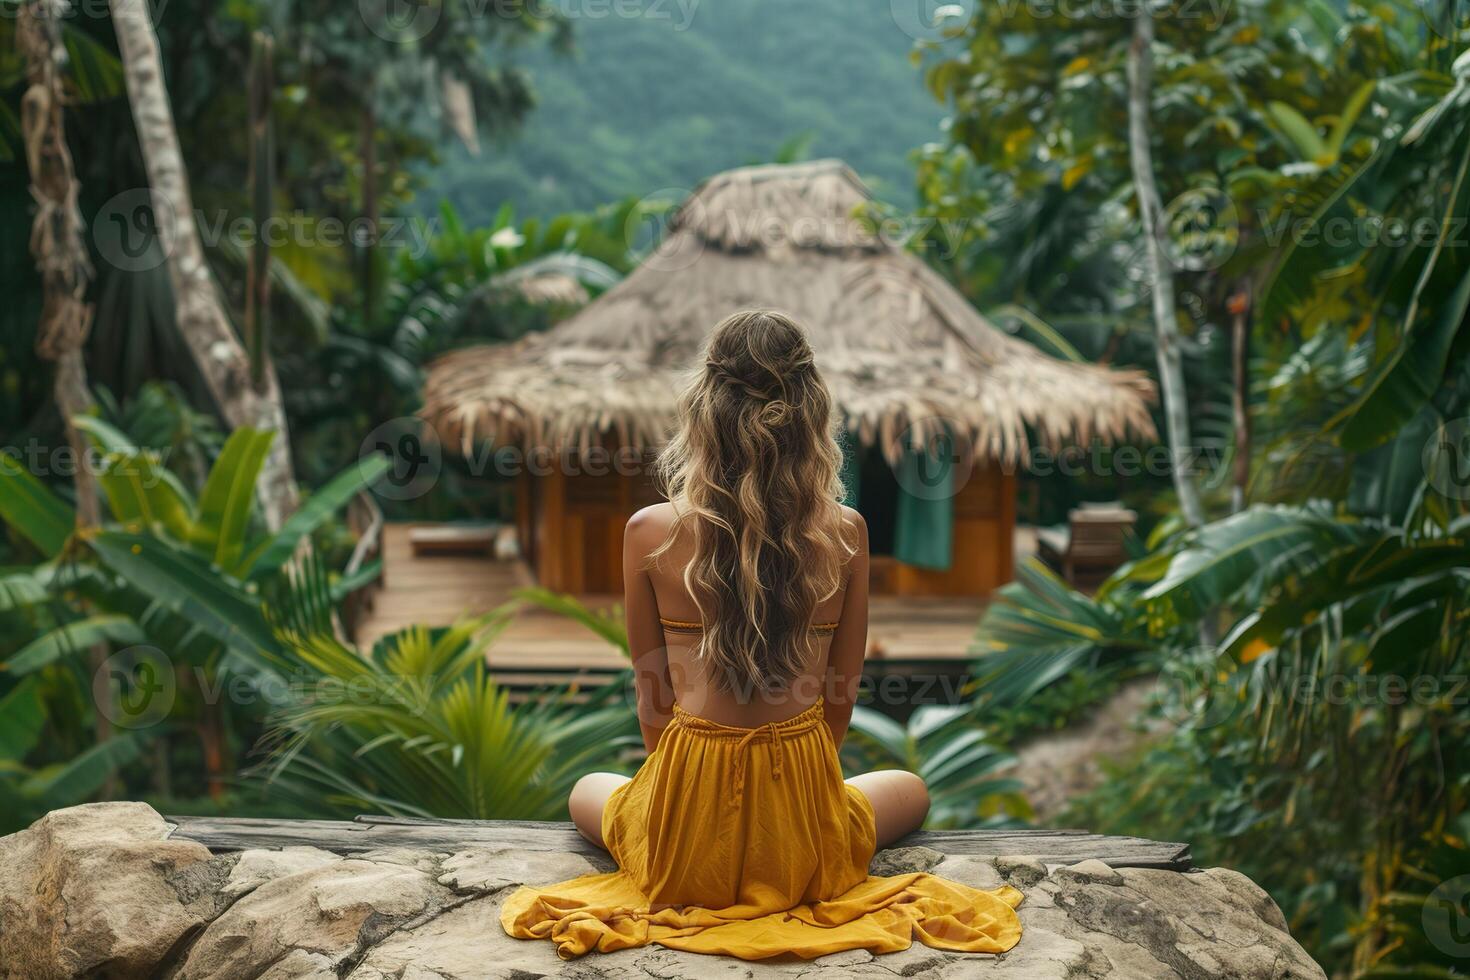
747,842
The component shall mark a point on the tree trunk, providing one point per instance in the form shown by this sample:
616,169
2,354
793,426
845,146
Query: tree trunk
1160,275
61,258
261,180
1240,395
203,323
368,146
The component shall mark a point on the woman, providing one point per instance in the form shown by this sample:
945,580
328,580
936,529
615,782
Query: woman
747,606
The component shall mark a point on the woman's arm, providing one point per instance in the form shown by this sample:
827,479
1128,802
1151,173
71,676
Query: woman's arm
850,641
645,634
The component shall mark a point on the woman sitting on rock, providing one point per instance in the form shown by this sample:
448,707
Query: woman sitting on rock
747,606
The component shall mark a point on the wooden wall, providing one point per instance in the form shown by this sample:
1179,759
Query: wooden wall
571,530
984,542
571,527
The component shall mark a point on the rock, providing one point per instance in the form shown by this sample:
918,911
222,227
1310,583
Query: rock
1020,872
255,868
481,870
153,906
904,860
1086,872
335,910
98,889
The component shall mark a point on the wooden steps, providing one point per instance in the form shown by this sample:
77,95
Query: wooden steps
366,833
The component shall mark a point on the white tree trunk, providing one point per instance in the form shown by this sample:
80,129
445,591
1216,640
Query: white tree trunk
202,321
1160,275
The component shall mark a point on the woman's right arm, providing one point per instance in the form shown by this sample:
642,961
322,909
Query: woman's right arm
850,641
655,691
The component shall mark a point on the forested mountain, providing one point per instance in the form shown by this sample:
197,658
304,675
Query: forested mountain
691,87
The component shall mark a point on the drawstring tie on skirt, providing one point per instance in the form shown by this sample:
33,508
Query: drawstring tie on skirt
743,749
773,731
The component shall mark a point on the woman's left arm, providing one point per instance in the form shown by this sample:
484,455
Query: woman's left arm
655,691
850,641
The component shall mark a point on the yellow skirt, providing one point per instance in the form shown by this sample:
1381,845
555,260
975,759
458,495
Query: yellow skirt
747,842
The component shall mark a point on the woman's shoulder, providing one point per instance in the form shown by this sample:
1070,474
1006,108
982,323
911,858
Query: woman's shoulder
855,529
648,527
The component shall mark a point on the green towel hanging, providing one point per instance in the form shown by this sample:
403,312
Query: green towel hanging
924,531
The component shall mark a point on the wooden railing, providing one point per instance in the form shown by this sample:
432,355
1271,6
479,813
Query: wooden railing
365,520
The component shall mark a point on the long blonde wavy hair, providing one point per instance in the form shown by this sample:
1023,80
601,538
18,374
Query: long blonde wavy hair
754,476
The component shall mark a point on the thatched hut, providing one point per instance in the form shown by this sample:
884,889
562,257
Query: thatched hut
907,358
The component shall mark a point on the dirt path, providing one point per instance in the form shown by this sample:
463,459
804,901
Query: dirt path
1059,766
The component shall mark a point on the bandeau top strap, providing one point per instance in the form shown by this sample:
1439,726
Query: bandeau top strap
680,626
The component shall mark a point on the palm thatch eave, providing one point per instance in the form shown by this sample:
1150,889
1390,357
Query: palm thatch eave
904,352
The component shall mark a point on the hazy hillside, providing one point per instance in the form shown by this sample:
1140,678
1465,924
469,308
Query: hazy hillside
644,105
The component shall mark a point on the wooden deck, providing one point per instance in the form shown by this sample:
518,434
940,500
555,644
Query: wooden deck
367,833
904,633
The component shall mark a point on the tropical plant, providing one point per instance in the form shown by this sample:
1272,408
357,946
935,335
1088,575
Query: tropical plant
27,793
1040,630
423,730
958,762
414,726
73,605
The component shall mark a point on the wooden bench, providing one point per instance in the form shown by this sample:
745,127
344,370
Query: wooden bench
453,539
1092,545
366,833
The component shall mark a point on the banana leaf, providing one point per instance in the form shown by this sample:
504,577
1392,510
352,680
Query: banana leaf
36,513
71,638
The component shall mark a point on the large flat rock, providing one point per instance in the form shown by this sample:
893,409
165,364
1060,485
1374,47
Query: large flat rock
103,890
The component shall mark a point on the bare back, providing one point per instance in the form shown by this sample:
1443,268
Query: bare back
663,633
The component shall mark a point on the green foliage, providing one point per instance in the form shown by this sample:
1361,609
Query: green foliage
1039,630
30,509
944,745
607,624
420,729
26,793
744,82
179,576
465,285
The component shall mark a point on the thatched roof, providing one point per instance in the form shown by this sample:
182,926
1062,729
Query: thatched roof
899,346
